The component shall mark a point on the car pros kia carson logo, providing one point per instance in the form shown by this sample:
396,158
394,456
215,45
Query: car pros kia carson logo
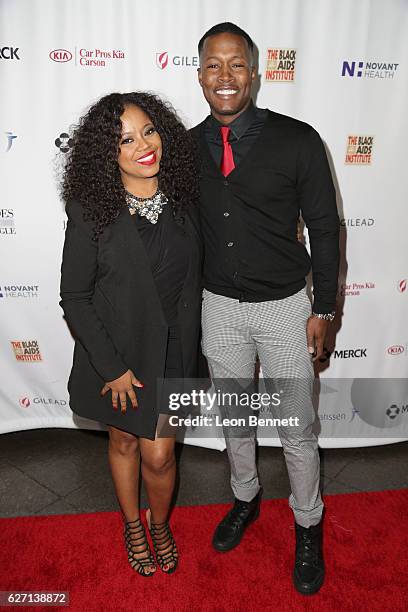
354,289
86,57
60,55
164,60
396,349
280,65
368,70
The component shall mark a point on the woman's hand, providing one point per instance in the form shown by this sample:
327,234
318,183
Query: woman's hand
120,387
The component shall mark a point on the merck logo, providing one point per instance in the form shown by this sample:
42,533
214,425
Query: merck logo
9,53
60,55
349,69
162,59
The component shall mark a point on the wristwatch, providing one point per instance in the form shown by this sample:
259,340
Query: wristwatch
328,316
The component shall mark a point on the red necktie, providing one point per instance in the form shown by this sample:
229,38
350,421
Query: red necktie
227,162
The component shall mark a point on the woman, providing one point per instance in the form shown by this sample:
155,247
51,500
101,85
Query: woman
130,289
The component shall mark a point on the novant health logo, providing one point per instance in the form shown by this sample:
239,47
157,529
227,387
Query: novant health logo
368,70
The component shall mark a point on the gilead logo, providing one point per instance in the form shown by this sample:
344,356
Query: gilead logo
397,349
61,55
162,59
402,285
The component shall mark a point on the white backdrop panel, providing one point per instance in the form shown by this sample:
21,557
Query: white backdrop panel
42,96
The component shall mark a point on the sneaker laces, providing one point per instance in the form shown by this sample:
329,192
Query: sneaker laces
237,514
307,552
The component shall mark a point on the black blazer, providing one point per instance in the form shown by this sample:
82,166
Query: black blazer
113,309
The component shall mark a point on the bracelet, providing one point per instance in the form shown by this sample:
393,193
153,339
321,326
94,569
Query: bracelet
329,316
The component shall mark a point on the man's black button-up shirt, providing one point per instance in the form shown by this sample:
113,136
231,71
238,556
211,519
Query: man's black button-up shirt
249,218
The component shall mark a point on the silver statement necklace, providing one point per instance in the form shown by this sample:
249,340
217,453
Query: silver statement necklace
147,207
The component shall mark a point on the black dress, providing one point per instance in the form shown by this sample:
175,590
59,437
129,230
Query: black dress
168,249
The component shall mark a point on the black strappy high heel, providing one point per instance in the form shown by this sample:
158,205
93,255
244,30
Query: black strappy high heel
164,546
135,535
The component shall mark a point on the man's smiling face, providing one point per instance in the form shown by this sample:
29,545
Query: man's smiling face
226,74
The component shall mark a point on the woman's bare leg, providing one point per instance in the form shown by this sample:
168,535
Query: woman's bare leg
158,466
124,460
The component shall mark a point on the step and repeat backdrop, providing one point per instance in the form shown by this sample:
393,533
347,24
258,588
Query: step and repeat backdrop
340,66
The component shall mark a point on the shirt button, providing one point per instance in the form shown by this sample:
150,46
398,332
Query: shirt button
230,244
226,183
226,214
185,304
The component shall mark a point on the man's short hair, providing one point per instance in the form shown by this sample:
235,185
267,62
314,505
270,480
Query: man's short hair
226,27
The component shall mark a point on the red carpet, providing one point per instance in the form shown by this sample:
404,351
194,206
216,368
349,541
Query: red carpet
366,549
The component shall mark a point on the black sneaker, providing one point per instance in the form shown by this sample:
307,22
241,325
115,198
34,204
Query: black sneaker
308,574
230,530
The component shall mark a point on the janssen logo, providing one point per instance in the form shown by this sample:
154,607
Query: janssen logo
10,137
60,55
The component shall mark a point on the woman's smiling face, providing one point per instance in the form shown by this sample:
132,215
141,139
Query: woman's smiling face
140,145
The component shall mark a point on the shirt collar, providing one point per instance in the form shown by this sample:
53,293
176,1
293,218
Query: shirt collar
239,126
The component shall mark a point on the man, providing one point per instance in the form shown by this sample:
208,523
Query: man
260,170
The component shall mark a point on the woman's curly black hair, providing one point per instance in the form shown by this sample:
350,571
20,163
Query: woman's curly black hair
91,173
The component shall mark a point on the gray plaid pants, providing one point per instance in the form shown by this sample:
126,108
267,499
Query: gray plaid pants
234,333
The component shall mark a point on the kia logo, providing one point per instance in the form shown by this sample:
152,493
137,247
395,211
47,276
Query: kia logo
25,402
397,349
60,55
162,59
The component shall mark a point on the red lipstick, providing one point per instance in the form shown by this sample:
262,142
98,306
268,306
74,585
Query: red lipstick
149,159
